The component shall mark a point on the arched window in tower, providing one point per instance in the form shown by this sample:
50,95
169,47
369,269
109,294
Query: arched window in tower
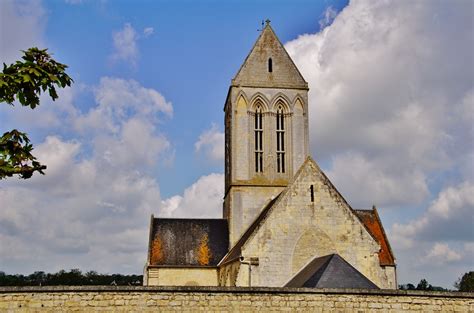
258,139
280,132
270,65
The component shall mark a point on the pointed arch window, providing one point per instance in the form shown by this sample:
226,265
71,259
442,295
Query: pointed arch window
270,65
280,134
258,131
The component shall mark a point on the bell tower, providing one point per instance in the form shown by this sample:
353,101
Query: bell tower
266,131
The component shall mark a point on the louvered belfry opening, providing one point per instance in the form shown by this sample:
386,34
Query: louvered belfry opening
280,134
258,139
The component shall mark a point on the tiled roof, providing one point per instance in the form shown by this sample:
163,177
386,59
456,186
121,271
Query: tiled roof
330,271
372,223
187,242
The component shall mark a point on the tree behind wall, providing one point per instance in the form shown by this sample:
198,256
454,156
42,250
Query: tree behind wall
24,81
466,282
423,285
74,277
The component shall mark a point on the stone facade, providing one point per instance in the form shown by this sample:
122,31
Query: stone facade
301,226
256,86
182,276
192,299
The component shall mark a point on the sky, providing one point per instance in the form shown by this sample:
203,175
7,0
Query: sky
140,132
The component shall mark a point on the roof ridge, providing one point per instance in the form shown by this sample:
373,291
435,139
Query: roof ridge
301,271
384,234
316,272
237,248
340,196
248,55
384,240
288,55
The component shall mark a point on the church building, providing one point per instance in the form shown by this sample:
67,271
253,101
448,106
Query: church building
284,223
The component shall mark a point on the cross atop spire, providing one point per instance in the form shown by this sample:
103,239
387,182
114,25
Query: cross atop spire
267,21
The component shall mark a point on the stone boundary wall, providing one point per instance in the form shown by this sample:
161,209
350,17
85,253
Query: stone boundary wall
227,299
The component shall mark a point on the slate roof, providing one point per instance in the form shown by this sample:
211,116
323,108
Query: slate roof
372,223
330,271
187,242
236,250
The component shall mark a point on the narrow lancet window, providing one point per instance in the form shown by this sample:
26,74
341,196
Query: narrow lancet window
258,140
270,65
280,132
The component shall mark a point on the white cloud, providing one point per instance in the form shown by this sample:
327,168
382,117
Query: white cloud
118,98
90,210
148,31
125,44
21,26
118,95
383,95
81,214
439,243
449,217
391,115
170,205
328,17
369,180
201,199
59,154
53,114
211,142
441,253
100,178
136,145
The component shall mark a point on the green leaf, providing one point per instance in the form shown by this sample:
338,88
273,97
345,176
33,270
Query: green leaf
52,93
26,78
53,77
35,71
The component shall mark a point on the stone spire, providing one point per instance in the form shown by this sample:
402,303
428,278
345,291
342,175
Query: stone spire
269,65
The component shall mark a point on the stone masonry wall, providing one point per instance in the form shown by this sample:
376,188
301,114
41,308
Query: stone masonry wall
185,276
297,229
214,299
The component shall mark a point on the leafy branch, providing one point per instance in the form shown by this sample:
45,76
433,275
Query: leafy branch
16,157
24,81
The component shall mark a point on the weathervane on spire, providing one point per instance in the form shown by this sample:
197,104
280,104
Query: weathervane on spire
264,23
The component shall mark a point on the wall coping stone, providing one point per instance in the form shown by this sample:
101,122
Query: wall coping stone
185,266
250,290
